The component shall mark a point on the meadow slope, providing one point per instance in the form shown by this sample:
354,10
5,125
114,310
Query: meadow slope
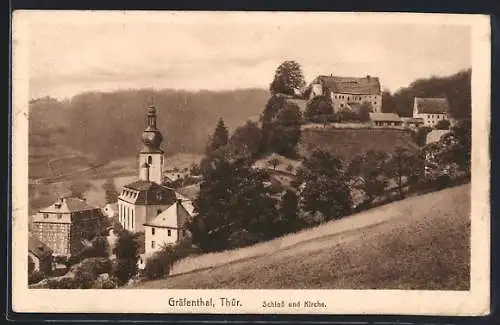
422,242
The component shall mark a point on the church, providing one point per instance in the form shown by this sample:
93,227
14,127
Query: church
142,201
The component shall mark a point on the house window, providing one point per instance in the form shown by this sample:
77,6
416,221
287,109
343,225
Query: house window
150,160
59,216
153,244
158,211
183,232
45,215
152,231
169,233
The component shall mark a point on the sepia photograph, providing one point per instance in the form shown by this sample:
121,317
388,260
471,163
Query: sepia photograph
268,162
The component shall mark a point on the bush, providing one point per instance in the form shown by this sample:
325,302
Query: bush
108,284
83,279
443,125
160,264
35,277
243,238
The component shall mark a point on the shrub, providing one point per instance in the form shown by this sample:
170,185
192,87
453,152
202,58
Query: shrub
108,284
35,277
83,279
243,238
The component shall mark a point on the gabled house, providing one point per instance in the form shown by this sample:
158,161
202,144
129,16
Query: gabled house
431,110
169,227
65,225
348,93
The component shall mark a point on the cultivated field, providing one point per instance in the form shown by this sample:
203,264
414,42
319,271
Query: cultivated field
422,242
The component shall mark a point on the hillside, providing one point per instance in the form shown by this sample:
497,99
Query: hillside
104,127
421,243
347,142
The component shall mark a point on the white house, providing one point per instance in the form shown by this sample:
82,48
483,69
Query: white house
348,93
431,110
169,227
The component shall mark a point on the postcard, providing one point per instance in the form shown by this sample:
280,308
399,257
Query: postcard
250,162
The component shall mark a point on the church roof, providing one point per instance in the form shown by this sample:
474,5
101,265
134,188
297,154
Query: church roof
431,105
350,85
68,205
174,216
147,193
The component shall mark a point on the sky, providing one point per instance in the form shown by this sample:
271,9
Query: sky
71,56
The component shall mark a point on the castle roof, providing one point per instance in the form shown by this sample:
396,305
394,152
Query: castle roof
350,85
174,216
431,105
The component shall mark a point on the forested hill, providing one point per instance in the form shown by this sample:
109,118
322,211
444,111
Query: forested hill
109,125
456,88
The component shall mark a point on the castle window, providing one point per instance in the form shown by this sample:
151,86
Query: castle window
150,160
152,231
158,211
169,233
153,244
45,215
183,232
59,216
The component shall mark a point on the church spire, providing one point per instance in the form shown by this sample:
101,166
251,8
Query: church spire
151,137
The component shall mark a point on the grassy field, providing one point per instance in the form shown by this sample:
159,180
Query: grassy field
421,242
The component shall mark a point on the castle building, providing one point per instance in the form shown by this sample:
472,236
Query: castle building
348,93
431,110
66,224
143,200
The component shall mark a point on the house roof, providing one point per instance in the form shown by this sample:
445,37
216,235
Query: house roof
174,216
38,248
147,193
431,105
412,119
385,117
68,205
350,85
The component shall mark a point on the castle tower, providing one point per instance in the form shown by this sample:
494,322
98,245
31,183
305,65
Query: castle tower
151,153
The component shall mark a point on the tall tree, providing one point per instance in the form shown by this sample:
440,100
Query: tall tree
364,111
248,135
318,107
388,102
289,212
127,253
233,197
324,185
368,173
219,138
288,78
281,121
405,167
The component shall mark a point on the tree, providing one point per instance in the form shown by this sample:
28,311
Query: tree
324,186
110,191
219,137
274,162
287,79
248,135
364,111
31,265
421,135
388,102
443,125
101,246
367,171
232,197
318,107
281,121
127,253
406,167
289,212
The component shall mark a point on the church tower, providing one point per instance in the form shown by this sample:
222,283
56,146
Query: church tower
151,155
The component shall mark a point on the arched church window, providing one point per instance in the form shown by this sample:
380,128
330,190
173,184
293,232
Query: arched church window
150,160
